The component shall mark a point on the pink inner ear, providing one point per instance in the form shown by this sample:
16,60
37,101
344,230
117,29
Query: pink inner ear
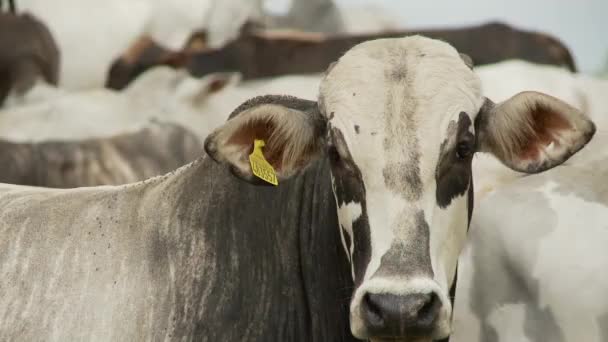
546,125
258,129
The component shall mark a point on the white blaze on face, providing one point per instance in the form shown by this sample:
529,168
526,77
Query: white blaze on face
347,214
392,102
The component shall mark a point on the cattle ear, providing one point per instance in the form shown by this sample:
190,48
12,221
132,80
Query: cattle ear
532,132
293,130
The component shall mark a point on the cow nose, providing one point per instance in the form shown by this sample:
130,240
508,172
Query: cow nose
400,315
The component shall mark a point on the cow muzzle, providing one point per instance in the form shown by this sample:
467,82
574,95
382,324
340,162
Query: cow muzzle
409,314
387,315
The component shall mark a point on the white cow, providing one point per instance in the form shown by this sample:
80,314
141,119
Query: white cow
162,93
535,266
91,33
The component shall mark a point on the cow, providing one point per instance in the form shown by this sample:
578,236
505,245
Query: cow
27,52
116,24
359,240
259,54
201,104
533,268
130,157
323,15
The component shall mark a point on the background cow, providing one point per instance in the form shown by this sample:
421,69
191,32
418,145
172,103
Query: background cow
126,158
89,46
258,54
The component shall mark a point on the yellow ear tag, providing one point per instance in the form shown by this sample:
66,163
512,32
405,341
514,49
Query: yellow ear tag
260,167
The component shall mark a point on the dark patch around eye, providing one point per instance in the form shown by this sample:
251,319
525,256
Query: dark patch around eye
357,129
349,187
453,174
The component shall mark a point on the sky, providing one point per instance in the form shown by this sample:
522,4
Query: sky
581,24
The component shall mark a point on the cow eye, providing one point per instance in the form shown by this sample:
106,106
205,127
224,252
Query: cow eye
464,150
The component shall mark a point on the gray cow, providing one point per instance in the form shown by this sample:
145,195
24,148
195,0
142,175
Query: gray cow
359,240
130,157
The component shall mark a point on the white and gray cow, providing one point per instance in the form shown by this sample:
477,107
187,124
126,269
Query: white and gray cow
385,154
535,266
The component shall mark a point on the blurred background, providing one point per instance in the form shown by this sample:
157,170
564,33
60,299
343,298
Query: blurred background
72,70
109,92
582,25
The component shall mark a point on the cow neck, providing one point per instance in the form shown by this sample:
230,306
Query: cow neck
268,259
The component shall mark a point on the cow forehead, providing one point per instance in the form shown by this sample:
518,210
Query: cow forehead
393,100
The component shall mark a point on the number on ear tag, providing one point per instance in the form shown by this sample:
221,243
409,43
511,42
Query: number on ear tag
260,167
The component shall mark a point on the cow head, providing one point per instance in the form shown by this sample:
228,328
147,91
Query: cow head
400,120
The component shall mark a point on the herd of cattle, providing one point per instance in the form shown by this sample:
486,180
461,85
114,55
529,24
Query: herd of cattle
433,184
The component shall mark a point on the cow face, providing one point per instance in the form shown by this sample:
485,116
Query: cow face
399,120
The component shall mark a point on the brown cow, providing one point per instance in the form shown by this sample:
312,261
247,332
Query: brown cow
145,53
258,54
27,52
154,150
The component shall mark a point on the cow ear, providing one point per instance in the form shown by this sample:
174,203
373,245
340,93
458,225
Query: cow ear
293,130
532,132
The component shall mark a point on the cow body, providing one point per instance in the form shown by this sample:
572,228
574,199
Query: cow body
130,157
534,268
168,259
258,55
161,93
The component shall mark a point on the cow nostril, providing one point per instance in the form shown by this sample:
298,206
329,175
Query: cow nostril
400,315
429,310
372,311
